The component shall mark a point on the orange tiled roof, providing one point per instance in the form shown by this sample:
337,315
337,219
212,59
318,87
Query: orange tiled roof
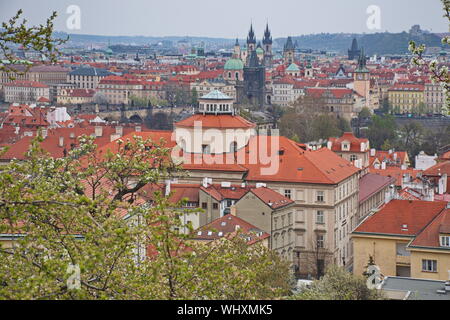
401,217
216,121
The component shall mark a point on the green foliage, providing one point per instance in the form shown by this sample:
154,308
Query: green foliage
37,38
438,74
381,129
338,284
83,210
364,113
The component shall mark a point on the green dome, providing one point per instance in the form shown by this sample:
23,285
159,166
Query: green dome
293,67
259,51
234,64
108,51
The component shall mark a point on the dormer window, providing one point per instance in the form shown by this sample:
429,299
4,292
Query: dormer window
445,241
345,146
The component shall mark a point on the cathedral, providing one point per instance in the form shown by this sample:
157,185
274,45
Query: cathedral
247,69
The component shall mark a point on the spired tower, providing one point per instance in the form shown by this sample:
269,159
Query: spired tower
288,51
361,77
251,41
237,50
267,46
354,52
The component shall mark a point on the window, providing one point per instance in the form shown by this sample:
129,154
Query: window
287,193
320,218
204,205
429,265
353,157
320,241
445,241
320,196
215,205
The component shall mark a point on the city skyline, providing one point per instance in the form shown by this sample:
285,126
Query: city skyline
230,20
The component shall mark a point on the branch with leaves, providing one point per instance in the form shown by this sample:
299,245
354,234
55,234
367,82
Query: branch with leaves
438,74
15,33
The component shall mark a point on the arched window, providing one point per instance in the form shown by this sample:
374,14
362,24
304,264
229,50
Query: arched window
237,75
229,75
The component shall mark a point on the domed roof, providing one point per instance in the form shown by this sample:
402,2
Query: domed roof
216,95
234,64
259,50
293,67
108,51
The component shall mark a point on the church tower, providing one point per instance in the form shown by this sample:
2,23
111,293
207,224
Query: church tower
361,77
354,52
267,46
251,41
237,50
288,51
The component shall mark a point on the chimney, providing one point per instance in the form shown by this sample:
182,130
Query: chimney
98,131
61,142
233,210
372,152
383,165
237,227
390,151
138,129
329,144
119,130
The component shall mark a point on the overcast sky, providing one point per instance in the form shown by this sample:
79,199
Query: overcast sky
230,18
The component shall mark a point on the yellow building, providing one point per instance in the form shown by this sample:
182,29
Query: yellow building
405,98
403,238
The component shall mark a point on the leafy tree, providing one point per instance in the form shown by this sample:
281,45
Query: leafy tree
364,113
381,129
84,210
438,74
194,97
325,126
15,33
338,284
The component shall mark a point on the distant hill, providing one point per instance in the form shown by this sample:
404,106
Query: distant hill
373,43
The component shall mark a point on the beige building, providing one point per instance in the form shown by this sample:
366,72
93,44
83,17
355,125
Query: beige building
434,97
405,238
204,87
25,91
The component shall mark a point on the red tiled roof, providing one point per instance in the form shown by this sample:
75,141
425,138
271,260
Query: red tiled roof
25,83
220,193
338,93
226,226
355,143
429,237
272,198
438,169
395,172
401,217
216,121
297,165
371,184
